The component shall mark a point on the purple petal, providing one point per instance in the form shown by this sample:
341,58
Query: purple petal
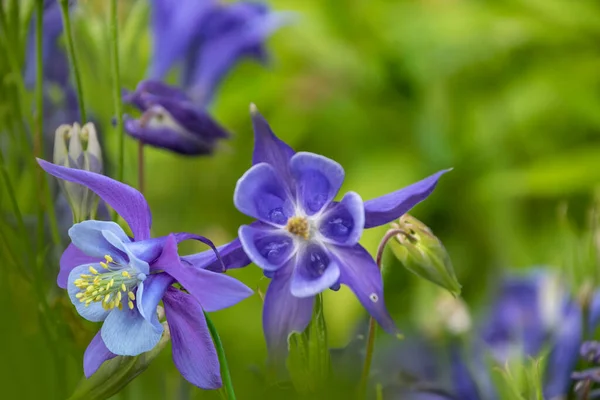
594,312
213,290
268,148
387,208
267,247
72,257
127,333
284,313
159,89
261,194
315,271
318,180
343,223
125,200
194,353
232,254
95,355
149,294
360,273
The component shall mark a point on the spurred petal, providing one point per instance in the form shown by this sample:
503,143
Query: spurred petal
95,354
88,236
94,311
284,313
343,223
149,294
268,247
318,180
314,272
125,200
194,353
213,290
156,88
359,272
72,257
232,254
268,148
260,193
387,208
127,333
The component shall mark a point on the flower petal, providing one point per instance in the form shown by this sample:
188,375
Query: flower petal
94,311
268,148
155,88
284,313
393,205
267,247
194,353
213,290
360,273
315,271
88,236
232,254
318,180
123,247
125,200
127,333
343,223
261,194
95,355
149,294
72,257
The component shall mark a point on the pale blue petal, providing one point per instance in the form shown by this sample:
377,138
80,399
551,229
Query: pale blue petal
126,333
88,237
94,311
343,223
314,272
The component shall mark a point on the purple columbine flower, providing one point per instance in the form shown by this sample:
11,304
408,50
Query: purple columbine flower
303,239
171,120
209,37
118,280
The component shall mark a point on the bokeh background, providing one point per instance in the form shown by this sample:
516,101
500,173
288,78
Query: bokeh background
505,92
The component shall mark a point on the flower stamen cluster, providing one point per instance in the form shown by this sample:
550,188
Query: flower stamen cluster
298,226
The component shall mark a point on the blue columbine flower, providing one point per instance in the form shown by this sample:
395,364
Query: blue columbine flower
209,37
171,120
303,239
119,280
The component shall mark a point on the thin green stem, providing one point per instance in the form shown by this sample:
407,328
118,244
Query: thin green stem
114,44
227,383
38,137
64,6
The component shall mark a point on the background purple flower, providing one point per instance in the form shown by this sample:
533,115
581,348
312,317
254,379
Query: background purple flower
304,240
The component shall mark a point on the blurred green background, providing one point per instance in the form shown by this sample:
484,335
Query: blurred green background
506,92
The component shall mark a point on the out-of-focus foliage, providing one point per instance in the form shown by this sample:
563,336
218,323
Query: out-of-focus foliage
505,92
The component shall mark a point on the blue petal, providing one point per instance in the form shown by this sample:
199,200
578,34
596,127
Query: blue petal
268,148
95,355
267,247
149,89
594,312
94,312
389,207
360,273
318,180
314,272
149,294
133,260
343,223
72,257
125,200
213,290
194,353
126,333
232,254
283,313
261,194
88,236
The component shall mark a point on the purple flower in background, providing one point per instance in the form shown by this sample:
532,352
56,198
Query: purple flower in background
171,120
119,280
209,37
304,240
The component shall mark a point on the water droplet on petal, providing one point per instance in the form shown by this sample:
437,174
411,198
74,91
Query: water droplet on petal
374,298
277,216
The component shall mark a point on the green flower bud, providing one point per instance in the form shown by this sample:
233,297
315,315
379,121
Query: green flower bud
422,253
77,147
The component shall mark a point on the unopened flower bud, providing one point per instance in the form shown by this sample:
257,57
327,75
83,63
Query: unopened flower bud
78,147
422,253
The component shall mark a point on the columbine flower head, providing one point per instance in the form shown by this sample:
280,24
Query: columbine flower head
171,120
303,239
118,280
209,37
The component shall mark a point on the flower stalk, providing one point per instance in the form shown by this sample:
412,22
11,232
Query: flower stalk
226,376
114,45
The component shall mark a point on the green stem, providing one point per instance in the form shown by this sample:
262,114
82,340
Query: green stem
64,6
38,136
141,167
227,383
114,35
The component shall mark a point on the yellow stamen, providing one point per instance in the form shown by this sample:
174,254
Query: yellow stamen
108,258
131,295
130,304
90,289
118,297
93,270
106,298
79,295
120,306
123,287
126,274
104,265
